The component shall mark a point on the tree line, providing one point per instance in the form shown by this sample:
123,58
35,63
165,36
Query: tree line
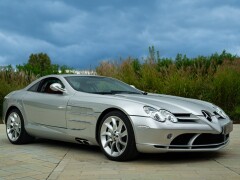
213,78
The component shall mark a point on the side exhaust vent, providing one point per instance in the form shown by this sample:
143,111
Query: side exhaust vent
82,141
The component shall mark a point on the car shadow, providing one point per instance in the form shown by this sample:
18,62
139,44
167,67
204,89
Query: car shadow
179,157
75,146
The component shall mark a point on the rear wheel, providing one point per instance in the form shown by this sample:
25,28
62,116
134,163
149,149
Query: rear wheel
15,130
116,137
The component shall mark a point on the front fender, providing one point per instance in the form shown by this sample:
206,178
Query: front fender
12,100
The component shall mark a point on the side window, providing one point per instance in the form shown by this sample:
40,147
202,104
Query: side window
45,84
34,88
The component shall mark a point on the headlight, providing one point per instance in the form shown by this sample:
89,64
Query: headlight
162,115
221,112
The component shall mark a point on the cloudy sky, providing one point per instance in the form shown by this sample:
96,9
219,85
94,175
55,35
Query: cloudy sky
82,33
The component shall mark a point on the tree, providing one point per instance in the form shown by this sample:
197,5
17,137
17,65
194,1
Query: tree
40,64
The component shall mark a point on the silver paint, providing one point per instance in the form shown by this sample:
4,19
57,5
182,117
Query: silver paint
75,114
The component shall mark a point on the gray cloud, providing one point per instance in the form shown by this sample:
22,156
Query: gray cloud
82,33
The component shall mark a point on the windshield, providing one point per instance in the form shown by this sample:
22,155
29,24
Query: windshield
100,85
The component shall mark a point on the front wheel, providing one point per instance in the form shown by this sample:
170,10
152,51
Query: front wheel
15,130
116,137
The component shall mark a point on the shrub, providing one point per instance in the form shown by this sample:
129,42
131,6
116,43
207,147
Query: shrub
11,81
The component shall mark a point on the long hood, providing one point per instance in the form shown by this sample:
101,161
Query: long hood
172,103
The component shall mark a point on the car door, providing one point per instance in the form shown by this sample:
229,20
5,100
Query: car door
44,106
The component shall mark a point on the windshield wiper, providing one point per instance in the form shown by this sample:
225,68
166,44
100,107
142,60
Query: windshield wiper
117,92
125,92
101,92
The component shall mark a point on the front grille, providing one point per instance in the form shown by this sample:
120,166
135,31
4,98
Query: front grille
182,139
210,139
198,141
186,118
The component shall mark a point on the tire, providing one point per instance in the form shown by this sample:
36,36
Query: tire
15,129
116,137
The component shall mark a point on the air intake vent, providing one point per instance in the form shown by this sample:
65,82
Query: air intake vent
186,118
207,115
82,141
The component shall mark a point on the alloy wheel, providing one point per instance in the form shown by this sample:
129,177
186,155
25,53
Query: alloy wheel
114,136
13,126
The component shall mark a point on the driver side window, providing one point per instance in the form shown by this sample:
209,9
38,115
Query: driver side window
44,86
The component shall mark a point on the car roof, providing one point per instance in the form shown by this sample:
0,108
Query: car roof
70,75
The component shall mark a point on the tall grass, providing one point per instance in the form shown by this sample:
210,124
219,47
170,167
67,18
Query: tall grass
215,78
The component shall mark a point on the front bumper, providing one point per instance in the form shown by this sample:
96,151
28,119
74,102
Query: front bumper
152,136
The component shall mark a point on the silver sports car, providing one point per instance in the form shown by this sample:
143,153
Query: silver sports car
121,119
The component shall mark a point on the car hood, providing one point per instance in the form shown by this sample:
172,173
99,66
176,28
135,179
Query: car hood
173,104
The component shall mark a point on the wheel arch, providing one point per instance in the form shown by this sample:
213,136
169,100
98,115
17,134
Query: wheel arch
23,136
106,111
9,110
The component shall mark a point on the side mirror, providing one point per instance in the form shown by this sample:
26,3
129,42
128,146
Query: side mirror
57,87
